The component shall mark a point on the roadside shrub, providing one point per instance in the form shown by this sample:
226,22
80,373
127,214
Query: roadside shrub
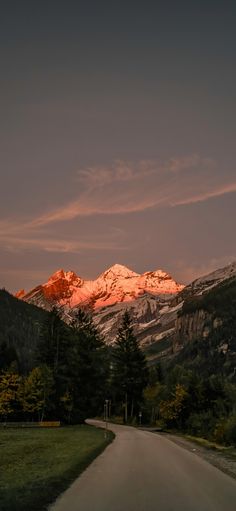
201,424
230,430
219,433
225,431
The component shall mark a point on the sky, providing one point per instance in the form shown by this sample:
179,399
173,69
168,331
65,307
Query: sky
117,138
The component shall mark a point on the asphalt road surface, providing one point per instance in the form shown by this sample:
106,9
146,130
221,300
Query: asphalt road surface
142,471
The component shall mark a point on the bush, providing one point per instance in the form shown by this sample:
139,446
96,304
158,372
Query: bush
201,424
225,431
219,433
230,430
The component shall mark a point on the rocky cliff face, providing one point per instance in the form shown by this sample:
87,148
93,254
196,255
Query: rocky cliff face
151,317
208,303
205,333
194,326
197,311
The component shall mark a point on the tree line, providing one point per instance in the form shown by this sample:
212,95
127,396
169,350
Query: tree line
74,372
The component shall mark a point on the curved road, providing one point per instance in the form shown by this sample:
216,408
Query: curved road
142,471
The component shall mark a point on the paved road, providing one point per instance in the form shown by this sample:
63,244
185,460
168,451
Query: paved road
142,471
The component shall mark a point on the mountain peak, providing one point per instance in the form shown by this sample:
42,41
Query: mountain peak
118,270
63,275
59,274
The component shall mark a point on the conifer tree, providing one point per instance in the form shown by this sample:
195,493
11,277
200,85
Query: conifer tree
54,342
88,366
54,353
130,369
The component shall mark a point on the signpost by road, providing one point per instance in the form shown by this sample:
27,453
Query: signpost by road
106,404
140,418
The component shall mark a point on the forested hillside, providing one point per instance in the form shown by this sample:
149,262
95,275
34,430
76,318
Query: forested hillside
20,327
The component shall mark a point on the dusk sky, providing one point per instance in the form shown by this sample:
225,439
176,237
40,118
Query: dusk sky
117,138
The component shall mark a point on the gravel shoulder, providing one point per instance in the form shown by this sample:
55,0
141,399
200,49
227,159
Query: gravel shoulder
224,459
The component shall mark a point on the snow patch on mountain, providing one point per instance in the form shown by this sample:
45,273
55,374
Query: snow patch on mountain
207,282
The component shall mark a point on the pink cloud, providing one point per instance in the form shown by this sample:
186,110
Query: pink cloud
122,188
128,188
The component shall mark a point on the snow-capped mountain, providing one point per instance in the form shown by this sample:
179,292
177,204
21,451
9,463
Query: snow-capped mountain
155,317
153,298
117,284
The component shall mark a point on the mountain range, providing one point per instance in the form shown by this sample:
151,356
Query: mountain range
115,285
158,304
193,326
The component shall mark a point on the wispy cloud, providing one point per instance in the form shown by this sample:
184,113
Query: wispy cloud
13,243
189,162
217,192
122,188
106,190
16,237
126,187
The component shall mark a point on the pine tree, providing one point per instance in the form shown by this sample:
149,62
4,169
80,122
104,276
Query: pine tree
130,369
88,368
54,342
54,352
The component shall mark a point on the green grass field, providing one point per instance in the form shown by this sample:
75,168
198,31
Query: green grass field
38,464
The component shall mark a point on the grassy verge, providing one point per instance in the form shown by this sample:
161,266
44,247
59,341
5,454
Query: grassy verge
37,465
211,445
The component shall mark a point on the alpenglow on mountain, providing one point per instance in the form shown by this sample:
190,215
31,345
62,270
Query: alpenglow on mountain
115,285
165,315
